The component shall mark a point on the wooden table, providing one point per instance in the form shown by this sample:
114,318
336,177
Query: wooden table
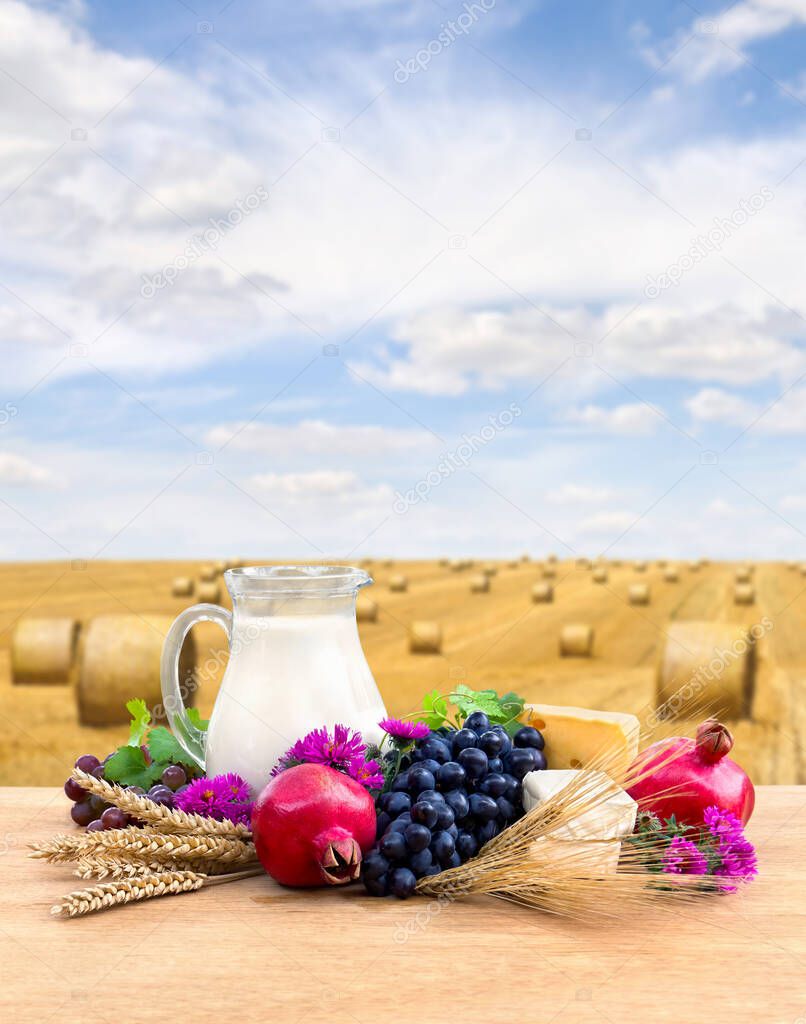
254,951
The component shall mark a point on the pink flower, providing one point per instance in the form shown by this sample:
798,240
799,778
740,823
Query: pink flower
344,751
223,797
400,730
737,854
681,857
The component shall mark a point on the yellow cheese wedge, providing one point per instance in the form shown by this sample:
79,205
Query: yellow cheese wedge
576,737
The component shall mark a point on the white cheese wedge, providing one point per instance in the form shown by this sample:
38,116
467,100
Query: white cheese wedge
607,823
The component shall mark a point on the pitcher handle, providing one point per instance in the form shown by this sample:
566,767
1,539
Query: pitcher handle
191,739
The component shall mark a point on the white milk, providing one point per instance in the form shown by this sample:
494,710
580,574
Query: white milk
294,666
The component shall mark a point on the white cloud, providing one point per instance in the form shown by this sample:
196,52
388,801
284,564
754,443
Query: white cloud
632,418
329,485
714,405
608,524
579,494
793,502
18,470
318,437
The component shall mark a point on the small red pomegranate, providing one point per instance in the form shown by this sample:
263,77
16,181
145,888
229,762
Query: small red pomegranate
311,825
693,775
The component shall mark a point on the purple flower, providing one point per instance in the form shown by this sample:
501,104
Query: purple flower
400,730
344,751
681,857
736,854
223,797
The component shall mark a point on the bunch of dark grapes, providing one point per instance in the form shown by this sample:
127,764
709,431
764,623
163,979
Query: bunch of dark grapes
456,791
96,814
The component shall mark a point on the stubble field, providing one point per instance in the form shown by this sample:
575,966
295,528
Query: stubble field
501,639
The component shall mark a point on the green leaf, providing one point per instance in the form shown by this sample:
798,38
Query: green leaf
128,766
468,701
165,748
511,705
436,710
197,720
141,717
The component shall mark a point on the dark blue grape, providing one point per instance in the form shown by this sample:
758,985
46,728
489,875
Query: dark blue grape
445,816
424,813
483,807
435,748
402,883
383,822
431,796
401,783
396,803
450,775
375,865
540,760
393,846
463,739
496,765
452,830
493,785
491,743
377,886
420,779
529,737
454,861
506,741
478,722
417,837
442,846
474,762
513,790
430,764
457,800
466,845
420,862
433,870
506,809
487,831
521,762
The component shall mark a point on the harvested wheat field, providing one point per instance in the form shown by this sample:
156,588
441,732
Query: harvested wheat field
502,638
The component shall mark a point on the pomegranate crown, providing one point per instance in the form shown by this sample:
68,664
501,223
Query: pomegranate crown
714,740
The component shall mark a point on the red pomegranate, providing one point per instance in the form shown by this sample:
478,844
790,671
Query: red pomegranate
692,775
311,825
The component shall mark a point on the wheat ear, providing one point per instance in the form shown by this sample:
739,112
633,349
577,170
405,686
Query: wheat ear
102,864
140,887
158,817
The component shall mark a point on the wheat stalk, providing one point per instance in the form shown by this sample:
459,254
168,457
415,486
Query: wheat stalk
160,818
140,887
98,864
146,844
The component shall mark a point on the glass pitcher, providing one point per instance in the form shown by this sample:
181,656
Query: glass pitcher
295,664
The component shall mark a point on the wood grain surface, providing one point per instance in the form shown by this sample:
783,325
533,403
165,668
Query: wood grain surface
254,951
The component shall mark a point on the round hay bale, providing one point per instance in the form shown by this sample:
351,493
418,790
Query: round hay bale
490,570
640,566
661,563
616,563
209,593
43,650
119,658
457,565
513,564
599,574
671,574
706,668
743,574
525,558
182,586
803,570
220,568
551,559
208,574
398,584
549,572
542,593
388,563
583,563
638,593
444,563
744,593
480,584
366,610
425,637
576,641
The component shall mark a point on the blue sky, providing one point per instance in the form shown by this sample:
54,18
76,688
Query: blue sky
264,270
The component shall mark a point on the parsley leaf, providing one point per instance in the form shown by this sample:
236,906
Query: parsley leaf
467,701
165,748
128,766
141,718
